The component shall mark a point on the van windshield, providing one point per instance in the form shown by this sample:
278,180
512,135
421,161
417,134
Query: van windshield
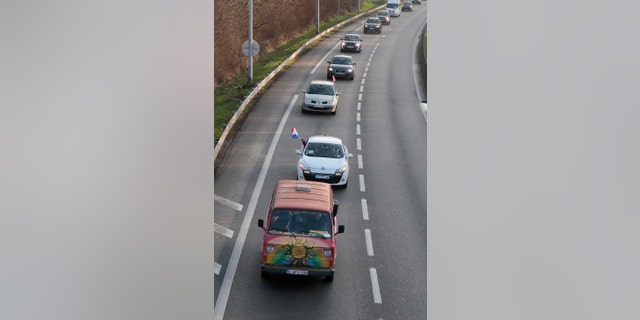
392,5
300,222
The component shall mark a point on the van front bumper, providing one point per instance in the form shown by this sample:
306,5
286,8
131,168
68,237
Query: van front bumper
314,272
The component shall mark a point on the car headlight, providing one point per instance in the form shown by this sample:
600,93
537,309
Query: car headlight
350,70
302,166
330,69
307,100
270,248
341,170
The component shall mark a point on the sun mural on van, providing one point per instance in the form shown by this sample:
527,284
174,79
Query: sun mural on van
298,252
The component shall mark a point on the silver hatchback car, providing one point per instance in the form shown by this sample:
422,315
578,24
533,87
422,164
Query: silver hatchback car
320,96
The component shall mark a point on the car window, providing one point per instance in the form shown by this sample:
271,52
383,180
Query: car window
320,89
373,20
341,60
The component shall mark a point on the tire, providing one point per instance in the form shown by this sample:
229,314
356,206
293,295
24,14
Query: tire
264,274
328,278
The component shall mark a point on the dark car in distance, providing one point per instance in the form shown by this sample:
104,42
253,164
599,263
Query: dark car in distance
372,24
384,17
418,2
341,66
407,6
351,42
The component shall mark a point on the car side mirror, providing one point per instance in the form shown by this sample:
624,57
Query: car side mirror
337,93
340,229
261,223
329,62
299,152
349,155
354,63
302,91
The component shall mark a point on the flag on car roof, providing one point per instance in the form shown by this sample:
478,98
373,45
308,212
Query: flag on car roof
294,133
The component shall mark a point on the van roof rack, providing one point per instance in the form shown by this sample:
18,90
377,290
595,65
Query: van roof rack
303,187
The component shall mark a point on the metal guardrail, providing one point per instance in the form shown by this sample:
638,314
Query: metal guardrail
263,83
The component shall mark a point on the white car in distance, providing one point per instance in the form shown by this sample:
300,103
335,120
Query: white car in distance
326,159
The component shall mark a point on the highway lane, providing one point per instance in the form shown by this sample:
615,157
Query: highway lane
381,123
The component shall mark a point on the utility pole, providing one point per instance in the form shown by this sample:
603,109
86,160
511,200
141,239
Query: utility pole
250,72
318,16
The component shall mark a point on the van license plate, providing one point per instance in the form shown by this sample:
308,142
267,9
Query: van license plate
298,272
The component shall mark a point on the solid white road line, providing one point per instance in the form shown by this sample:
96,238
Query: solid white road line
223,295
232,204
416,77
374,286
367,238
223,230
362,189
324,59
359,161
365,209
216,268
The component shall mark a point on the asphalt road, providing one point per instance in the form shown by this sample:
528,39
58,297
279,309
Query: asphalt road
382,257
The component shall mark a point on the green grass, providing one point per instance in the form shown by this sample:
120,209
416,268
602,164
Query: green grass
229,95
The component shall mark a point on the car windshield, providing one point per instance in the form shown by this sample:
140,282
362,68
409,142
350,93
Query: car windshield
304,222
320,89
340,60
382,14
324,150
373,20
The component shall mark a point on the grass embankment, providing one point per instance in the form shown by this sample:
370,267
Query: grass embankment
229,95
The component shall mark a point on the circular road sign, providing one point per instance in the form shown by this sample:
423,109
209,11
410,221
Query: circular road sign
254,45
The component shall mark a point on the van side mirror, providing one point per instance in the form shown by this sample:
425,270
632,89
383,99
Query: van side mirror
340,229
335,207
261,223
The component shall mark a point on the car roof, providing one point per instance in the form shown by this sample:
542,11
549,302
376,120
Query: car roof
352,35
323,138
325,82
303,195
343,56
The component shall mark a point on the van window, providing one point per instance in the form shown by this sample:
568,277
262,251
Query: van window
300,222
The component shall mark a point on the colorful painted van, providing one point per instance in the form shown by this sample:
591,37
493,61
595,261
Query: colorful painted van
300,230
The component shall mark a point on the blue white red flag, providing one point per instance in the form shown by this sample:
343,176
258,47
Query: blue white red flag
294,133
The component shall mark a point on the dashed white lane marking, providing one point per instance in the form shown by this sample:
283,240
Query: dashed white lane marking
359,106
359,96
357,129
222,230
363,76
216,268
362,189
359,161
367,238
232,204
357,116
374,286
358,144
366,69
365,209
361,88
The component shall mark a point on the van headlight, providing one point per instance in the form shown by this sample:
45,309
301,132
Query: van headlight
326,252
270,248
